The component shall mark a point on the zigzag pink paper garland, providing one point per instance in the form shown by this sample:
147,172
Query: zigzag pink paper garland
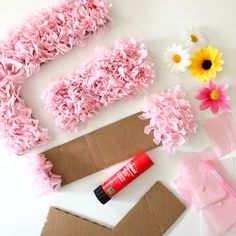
38,40
113,75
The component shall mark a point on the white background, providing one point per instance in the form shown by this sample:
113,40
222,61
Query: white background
159,24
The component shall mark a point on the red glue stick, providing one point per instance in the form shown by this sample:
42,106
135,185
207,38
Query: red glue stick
123,177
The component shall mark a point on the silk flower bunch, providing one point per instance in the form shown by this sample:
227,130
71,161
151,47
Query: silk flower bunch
204,63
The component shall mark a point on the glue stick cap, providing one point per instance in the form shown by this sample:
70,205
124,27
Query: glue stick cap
101,195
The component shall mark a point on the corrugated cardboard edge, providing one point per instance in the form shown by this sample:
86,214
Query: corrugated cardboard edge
152,215
100,149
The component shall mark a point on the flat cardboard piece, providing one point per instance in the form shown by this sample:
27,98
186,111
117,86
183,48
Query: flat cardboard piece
152,215
100,149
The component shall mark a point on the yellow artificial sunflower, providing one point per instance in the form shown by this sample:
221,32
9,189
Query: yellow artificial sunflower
206,63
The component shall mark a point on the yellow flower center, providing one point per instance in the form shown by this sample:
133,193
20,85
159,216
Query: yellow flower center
214,95
177,58
194,38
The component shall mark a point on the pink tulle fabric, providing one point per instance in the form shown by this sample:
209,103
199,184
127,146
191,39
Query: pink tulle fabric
220,218
171,118
199,188
193,179
114,74
221,131
41,170
39,39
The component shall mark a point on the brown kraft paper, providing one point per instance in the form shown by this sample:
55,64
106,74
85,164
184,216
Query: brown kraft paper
151,216
100,149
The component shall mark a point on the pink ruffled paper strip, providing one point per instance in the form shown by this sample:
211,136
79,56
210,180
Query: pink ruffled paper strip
112,75
20,130
171,118
49,33
39,39
199,188
221,131
41,172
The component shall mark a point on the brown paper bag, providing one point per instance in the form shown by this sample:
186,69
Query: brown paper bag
151,216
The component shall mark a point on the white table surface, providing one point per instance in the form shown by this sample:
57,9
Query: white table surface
159,24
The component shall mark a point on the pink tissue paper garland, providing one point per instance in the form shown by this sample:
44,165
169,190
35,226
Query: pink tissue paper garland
39,39
41,172
171,118
114,74
199,188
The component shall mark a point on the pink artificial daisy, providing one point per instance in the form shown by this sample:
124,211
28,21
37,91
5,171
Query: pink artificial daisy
214,97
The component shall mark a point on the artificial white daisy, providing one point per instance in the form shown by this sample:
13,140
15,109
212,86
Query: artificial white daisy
195,38
176,58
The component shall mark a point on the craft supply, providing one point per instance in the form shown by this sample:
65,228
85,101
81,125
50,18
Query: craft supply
20,131
170,118
99,149
83,156
202,183
221,131
195,38
219,219
195,184
214,97
206,63
135,167
39,39
148,217
49,33
224,184
177,58
114,74
40,170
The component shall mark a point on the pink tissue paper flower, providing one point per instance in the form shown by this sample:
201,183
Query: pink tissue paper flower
39,39
112,75
41,170
171,118
214,97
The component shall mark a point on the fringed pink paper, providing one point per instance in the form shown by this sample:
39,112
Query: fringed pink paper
221,131
199,188
41,170
50,33
21,132
113,75
171,118
39,39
